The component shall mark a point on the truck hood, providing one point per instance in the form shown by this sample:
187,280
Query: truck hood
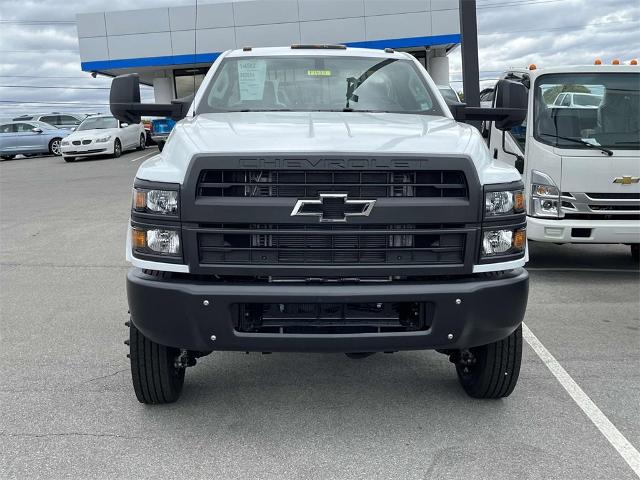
325,132
316,133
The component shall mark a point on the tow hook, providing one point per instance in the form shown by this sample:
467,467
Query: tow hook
184,360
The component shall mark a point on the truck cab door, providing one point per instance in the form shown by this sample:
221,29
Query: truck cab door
513,146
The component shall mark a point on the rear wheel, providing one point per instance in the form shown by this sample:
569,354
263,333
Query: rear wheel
143,142
54,147
635,252
156,374
69,159
117,148
491,371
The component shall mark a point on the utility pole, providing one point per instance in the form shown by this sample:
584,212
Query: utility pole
470,69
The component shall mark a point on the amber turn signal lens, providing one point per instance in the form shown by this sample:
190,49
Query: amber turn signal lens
138,238
139,199
519,239
518,201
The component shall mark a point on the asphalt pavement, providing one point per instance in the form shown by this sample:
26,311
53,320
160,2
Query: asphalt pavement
68,408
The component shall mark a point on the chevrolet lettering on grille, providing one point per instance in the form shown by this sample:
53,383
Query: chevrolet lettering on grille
333,207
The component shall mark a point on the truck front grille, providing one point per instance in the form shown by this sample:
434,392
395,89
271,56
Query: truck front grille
332,318
332,244
356,183
601,206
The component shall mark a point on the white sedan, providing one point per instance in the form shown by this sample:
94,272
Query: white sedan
103,135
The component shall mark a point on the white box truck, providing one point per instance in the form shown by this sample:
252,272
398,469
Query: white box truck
579,153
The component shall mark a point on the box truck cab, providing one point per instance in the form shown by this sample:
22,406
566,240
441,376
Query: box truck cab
579,153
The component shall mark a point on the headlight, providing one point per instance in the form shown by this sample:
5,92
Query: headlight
164,202
506,202
503,242
103,139
155,241
545,196
64,142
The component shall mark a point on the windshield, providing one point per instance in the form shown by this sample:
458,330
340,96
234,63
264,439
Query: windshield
318,83
602,109
98,123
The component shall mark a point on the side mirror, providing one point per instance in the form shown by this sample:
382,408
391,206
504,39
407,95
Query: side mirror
124,124
510,94
510,107
124,102
36,130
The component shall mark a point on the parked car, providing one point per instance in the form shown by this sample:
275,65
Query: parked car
449,94
103,134
29,138
577,100
160,130
61,120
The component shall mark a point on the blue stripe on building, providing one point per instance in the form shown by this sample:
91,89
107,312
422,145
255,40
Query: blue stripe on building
211,57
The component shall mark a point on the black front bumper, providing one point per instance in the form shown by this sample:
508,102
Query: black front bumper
173,313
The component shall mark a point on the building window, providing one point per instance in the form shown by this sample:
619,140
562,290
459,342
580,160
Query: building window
188,80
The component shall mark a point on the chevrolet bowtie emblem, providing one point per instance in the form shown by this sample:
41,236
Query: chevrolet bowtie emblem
626,180
333,207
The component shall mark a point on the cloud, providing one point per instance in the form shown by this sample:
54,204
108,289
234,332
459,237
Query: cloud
512,33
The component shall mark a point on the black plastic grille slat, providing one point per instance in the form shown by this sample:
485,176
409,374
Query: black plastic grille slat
614,196
357,184
403,244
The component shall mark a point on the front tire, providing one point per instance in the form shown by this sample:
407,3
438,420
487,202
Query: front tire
635,252
7,157
117,148
54,147
495,368
69,159
143,143
156,378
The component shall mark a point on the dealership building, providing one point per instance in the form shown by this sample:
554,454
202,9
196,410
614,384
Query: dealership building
172,48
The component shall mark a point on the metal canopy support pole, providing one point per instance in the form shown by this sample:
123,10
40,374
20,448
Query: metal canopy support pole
470,69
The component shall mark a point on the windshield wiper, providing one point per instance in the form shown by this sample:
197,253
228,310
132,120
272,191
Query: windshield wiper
580,141
354,83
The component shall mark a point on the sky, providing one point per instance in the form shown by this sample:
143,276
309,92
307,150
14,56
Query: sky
39,46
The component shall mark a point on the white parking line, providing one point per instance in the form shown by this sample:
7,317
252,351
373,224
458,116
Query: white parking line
145,155
591,410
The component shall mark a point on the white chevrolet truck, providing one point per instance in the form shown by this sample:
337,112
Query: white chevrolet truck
324,199
579,153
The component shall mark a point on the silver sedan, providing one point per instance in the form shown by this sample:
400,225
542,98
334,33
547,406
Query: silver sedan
30,138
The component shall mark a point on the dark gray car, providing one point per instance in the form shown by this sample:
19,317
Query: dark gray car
29,138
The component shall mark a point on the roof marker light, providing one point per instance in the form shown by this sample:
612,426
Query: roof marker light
597,62
634,62
615,62
532,66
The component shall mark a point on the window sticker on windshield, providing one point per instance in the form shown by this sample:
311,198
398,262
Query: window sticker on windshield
319,73
251,76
